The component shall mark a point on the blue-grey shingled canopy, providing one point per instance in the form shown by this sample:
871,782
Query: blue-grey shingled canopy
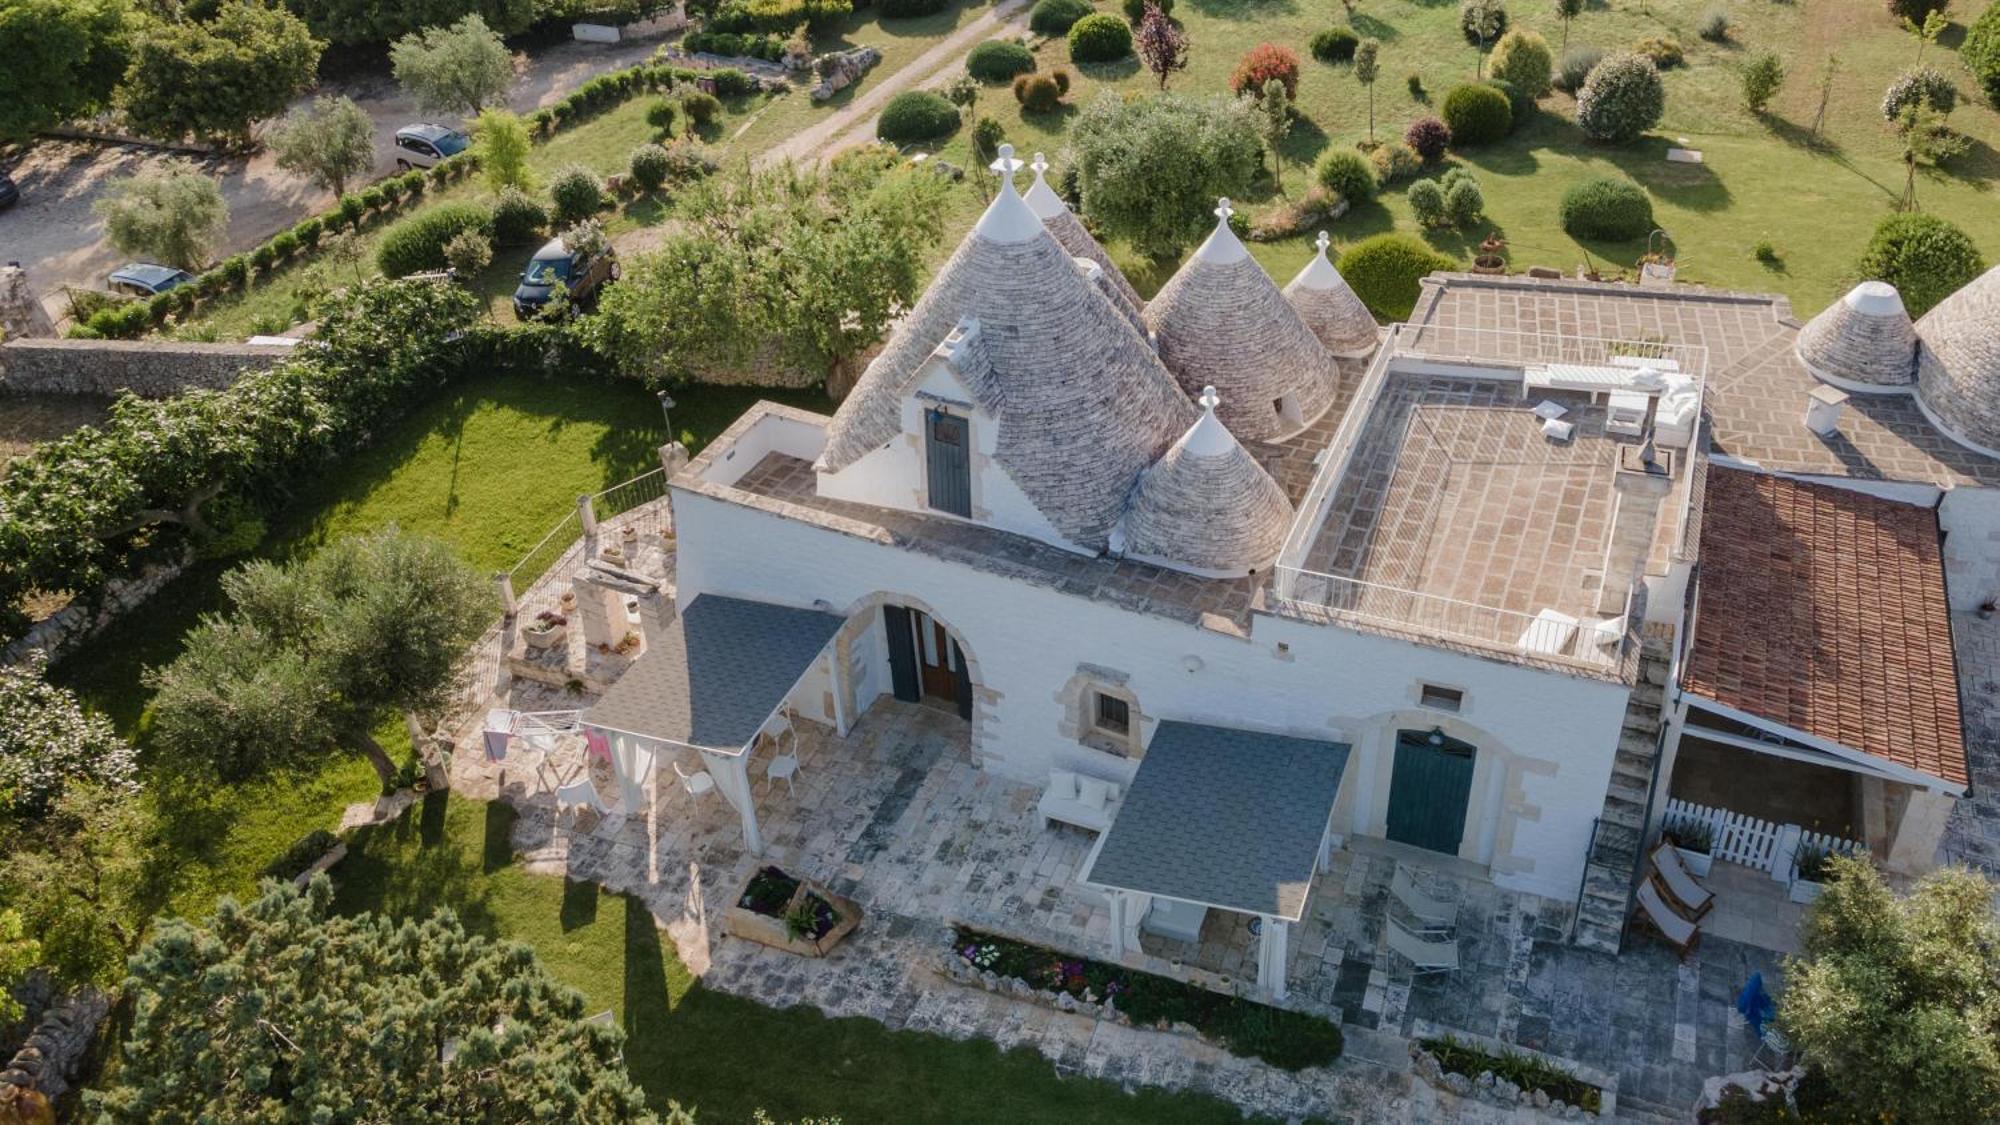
1225,818
717,674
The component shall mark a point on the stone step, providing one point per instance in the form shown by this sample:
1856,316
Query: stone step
1643,743
1623,812
1599,935
1631,788
1618,838
1633,766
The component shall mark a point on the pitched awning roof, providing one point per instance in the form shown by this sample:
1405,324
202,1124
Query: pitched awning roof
1225,818
717,674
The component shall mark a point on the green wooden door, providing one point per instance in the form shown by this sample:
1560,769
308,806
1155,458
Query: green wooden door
1429,790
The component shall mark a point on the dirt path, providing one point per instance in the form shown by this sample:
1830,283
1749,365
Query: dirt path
853,123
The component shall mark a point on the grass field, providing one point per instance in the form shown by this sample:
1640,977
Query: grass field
723,1055
1760,179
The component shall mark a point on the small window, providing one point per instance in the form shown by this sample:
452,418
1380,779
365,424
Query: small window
1441,698
1114,715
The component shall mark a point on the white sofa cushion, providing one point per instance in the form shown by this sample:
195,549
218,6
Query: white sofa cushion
1092,793
1062,785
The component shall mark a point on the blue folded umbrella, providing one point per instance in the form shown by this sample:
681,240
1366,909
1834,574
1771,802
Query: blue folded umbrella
1756,1004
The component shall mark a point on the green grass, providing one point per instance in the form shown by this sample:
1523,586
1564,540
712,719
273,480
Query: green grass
724,1055
1760,179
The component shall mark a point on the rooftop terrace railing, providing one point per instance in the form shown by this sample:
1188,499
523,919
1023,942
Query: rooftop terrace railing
1502,347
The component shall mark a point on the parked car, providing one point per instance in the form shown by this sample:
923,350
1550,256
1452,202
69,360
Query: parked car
10,194
423,145
554,263
144,279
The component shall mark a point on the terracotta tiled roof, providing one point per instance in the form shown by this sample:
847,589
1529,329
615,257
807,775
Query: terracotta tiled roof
1824,609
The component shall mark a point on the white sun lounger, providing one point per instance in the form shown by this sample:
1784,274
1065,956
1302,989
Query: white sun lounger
1426,954
1680,932
1437,916
1680,882
1549,633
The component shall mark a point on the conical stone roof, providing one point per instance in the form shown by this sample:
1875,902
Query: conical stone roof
1084,404
1330,307
1863,341
1206,506
1221,322
1069,230
1958,363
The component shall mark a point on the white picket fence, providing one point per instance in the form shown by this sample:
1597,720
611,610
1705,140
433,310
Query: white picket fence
1760,844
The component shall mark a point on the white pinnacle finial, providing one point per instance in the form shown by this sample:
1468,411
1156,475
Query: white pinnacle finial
1222,246
1223,210
1319,272
1041,165
1008,218
1323,241
1006,165
1208,437
1209,400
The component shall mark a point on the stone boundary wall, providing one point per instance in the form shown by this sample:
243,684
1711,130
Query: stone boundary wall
147,368
84,618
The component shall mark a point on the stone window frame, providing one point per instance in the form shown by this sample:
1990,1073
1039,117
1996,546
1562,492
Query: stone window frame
1079,698
1425,688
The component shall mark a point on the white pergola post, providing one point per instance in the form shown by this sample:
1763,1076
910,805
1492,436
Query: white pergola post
1326,845
837,676
1271,957
732,779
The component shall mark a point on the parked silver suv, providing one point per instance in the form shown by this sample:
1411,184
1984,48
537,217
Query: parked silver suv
423,145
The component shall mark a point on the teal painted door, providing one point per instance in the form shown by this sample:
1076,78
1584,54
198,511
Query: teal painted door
1429,791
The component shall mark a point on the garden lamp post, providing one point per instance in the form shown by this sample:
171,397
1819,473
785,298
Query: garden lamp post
666,415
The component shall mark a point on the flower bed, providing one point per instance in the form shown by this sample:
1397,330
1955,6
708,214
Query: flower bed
1285,1039
792,914
1502,1076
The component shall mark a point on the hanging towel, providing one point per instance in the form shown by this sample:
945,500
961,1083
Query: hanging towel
1756,1004
595,742
496,744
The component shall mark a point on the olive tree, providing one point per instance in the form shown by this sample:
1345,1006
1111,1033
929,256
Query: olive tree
328,142
170,212
1152,168
453,69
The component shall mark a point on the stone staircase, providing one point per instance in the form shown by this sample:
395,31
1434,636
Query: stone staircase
1614,854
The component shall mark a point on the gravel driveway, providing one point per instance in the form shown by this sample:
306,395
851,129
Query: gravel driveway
53,233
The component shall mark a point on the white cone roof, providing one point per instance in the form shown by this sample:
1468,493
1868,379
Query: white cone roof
1330,307
1207,506
1221,322
1864,340
1958,363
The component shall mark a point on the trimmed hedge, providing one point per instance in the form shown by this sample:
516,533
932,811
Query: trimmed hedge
577,194
1926,258
1055,17
999,60
1347,174
1622,98
1335,45
1477,114
1607,210
1522,57
1037,93
1386,270
417,243
1099,37
917,115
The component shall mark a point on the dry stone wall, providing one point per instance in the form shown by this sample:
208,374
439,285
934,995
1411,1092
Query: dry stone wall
147,368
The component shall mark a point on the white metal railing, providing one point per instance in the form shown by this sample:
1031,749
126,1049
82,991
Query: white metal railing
1753,842
1508,348
621,498
1334,461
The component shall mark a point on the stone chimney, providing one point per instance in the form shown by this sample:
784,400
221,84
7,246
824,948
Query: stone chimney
1644,477
21,314
1823,406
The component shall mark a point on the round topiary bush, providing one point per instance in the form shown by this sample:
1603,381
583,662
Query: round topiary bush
1577,63
1981,52
518,218
1428,138
904,9
661,114
1054,17
1347,174
1463,202
1622,98
1135,10
1926,258
917,115
999,60
417,243
1427,202
1386,272
1099,37
1262,63
650,165
1335,45
1477,114
577,194
1608,210
1483,21
1523,58
1394,161
1038,93
701,107
1919,84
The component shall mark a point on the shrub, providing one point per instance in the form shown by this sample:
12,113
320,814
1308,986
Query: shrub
1522,58
351,210
1926,258
284,244
1915,10
468,252
1062,79
1919,84
308,231
1606,209
577,194
1665,52
660,115
998,60
1519,105
1428,138
1099,37
1482,20
1713,25
1981,52
413,183
1415,82
1347,174
126,320
262,257
1762,76
987,133
1394,161
417,243
1464,202
1577,63
518,218
161,305
649,166
1135,10
1386,270
1335,45
234,271
1622,98
733,83
1427,202
1054,17
1262,63
1037,93
918,115
1764,251
1477,114
701,107
905,9
372,197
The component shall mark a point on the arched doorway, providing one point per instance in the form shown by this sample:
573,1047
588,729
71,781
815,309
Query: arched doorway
926,663
1430,789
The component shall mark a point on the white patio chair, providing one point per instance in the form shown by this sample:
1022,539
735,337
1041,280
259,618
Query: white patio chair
1555,429
1694,899
580,795
1425,953
1436,915
1772,1046
695,784
785,763
1680,932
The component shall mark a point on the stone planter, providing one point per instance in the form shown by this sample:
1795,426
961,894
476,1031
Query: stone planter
1491,265
1804,890
545,636
1697,863
1656,273
743,922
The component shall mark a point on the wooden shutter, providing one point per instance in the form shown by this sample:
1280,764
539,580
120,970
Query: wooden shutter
946,441
964,678
902,654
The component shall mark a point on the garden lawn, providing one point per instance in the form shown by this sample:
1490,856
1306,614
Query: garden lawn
1761,179
722,1055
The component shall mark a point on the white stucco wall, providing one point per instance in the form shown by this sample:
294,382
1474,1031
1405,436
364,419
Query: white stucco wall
1546,740
1970,518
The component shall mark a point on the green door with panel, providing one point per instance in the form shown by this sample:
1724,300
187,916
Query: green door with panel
1429,790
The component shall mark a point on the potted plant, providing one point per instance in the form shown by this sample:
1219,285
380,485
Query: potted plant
547,630
1695,841
1809,871
613,554
792,914
1488,260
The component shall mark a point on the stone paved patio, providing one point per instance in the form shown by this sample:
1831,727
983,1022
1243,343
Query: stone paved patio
1973,835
